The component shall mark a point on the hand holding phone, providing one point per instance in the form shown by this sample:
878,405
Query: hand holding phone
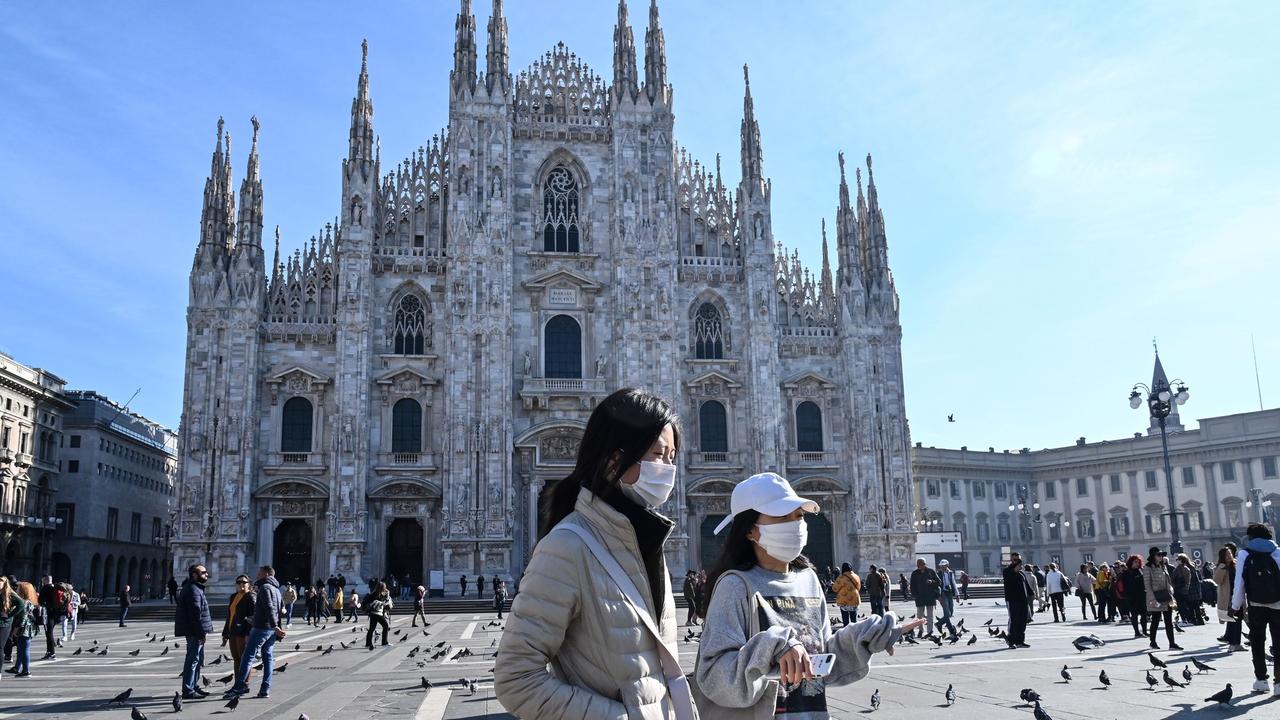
788,670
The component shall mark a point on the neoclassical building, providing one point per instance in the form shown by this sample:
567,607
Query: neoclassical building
1103,500
395,394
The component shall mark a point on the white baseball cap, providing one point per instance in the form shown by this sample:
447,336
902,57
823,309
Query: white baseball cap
768,494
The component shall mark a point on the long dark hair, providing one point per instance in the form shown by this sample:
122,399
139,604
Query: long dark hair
739,553
625,424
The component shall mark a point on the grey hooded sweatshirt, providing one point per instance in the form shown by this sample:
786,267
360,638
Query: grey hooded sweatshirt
732,667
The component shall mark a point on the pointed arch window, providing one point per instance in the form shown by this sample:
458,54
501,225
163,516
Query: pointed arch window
808,427
410,327
406,426
708,333
295,426
563,357
560,231
713,431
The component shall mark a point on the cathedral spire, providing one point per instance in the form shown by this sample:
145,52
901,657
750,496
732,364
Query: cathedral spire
655,56
228,199
249,226
752,160
824,285
624,57
275,262
877,250
361,139
216,223
464,49
496,70
848,253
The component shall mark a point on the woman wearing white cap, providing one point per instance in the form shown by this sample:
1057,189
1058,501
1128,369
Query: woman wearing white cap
595,600
767,617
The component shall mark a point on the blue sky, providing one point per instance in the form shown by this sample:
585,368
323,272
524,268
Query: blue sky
1061,181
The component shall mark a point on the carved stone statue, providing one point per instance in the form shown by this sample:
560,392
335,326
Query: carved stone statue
347,439
528,364
229,495
345,490
601,365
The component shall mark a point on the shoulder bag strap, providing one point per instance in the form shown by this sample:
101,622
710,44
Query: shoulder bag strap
677,683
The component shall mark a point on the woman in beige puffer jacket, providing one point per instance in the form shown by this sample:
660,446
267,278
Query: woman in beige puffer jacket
569,614
1155,578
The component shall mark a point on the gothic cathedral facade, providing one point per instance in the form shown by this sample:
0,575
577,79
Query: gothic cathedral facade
394,396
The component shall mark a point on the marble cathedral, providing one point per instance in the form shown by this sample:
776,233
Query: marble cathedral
394,395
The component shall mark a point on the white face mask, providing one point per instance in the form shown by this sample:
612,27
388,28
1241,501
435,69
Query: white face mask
784,541
654,485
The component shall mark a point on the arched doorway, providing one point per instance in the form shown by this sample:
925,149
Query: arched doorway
292,551
404,549
61,567
819,550
710,544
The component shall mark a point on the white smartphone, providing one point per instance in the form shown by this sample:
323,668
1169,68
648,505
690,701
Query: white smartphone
821,664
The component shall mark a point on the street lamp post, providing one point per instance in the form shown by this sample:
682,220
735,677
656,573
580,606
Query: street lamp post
1265,509
1161,398
1062,527
1027,514
45,524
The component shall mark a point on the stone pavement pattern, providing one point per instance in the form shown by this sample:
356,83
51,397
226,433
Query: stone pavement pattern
355,683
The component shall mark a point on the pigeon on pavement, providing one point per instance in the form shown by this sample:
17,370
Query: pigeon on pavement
1201,667
1186,673
1151,682
950,695
122,697
1102,678
1065,673
1168,680
136,714
875,699
1040,714
1222,697
177,702
972,639
1157,662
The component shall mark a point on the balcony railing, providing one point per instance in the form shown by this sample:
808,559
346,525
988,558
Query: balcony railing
696,261
419,460
295,458
714,459
539,390
807,458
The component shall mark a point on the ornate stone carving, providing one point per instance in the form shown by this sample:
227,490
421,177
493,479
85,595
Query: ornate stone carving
558,447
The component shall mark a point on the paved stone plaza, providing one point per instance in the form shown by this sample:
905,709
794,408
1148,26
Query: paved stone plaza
355,683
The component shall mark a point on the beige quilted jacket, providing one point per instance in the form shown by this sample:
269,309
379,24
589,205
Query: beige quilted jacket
570,616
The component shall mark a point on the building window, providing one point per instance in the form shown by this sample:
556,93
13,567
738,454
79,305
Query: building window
135,528
979,489
295,426
4,437
1002,491
955,489
560,212
1050,490
808,427
75,441
156,538
1085,528
1003,530
1119,525
708,333
1188,476
1082,486
66,512
1115,483
1269,466
563,358
1055,530
1155,524
1151,482
984,531
1228,472
406,426
73,466
113,523
1193,520
410,327
932,488
713,430
1085,558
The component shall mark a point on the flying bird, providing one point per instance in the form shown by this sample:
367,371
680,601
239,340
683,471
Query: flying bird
1168,680
951,418
950,695
875,699
1065,673
1040,714
122,697
1157,662
1222,697
1201,667
177,702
